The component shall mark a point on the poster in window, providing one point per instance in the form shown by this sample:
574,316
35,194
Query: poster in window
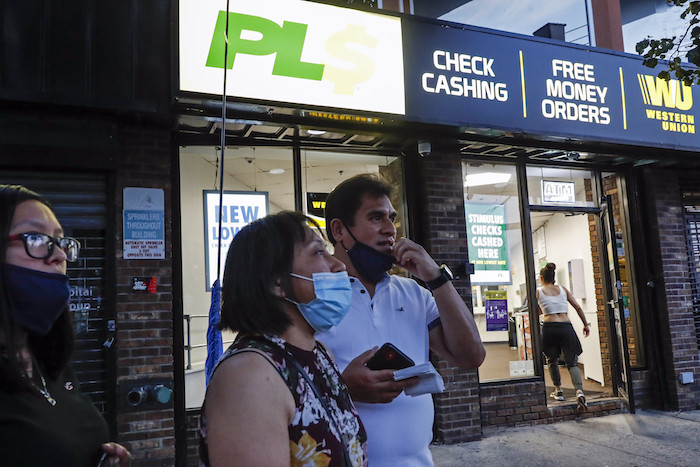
239,208
496,308
487,243
316,207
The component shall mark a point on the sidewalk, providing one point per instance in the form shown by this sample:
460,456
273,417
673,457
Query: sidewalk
647,438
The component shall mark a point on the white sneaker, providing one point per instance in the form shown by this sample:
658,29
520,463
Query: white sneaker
557,395
581,400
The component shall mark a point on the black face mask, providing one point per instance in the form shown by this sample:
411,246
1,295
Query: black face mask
369,263
38,298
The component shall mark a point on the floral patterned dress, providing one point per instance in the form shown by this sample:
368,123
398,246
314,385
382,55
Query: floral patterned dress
313,438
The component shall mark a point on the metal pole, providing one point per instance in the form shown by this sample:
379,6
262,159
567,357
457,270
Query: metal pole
223,146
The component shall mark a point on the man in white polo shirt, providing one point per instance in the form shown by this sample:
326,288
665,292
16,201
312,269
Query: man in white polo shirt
389,308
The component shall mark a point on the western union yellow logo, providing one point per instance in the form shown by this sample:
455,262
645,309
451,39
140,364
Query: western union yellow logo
671,94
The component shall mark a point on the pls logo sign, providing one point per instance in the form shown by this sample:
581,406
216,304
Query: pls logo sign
293,51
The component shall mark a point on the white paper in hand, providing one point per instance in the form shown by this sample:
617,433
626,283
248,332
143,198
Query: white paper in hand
429,381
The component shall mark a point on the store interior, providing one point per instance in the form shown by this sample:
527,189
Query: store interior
561,237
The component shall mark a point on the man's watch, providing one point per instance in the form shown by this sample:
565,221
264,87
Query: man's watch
445,275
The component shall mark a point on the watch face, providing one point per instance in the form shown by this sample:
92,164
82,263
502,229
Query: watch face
447,271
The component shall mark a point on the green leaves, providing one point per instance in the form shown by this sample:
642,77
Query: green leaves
671,48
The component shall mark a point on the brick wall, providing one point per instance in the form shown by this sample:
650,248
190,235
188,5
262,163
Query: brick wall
672,285
457,410
193,437
524,403
645,392
514,404
144,321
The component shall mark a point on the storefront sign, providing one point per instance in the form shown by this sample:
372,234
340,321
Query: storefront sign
323,56
144,223
240,208
496,307
493,80
558,192
293,51
488,246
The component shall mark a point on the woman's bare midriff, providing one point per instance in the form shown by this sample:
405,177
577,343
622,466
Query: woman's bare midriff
553,290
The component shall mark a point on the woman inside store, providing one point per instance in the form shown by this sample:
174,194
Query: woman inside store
558,335
276,396
44,419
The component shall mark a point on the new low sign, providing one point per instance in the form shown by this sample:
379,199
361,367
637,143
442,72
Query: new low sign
239,208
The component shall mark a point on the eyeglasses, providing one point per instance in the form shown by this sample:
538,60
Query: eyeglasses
40,246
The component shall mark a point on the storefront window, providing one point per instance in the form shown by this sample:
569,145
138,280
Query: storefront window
499,293
258,181
324,170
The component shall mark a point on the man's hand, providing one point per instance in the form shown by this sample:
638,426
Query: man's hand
367,385
413,257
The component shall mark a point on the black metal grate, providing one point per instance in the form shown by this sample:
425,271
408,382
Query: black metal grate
691,201
692,226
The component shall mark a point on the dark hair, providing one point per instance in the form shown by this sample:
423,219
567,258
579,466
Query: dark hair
547,273
346,198
260,257
53,350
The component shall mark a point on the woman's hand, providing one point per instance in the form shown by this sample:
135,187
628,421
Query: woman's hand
117,455
586,329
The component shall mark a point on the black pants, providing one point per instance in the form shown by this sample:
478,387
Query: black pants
560,338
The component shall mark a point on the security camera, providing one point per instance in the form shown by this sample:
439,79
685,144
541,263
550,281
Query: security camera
424,148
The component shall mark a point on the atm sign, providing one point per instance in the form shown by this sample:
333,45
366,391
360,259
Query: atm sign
558,192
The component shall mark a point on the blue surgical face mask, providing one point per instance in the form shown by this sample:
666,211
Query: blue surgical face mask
38,298
368,262
332,302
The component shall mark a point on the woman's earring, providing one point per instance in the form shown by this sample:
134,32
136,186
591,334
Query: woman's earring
278,289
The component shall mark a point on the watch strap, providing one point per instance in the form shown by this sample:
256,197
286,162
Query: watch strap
440,280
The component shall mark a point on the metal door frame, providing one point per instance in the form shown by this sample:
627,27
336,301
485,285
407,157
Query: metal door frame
620,367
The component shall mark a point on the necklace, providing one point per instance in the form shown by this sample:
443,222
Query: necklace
45,391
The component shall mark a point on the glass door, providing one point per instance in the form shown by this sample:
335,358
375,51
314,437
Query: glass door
620,367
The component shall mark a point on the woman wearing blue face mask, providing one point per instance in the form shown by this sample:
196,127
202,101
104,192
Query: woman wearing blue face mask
276,397
44,419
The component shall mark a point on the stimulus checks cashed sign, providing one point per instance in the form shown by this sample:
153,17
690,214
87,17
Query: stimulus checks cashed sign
239,208
323,56
293,51
488,248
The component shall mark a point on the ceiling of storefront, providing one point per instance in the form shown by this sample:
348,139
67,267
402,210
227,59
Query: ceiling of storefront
253,168
199,123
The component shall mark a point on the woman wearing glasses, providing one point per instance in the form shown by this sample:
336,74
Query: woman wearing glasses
44,419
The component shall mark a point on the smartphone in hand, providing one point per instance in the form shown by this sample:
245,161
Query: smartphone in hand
388,357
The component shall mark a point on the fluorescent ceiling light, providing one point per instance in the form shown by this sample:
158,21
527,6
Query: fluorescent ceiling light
276,171
486,178
315,132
